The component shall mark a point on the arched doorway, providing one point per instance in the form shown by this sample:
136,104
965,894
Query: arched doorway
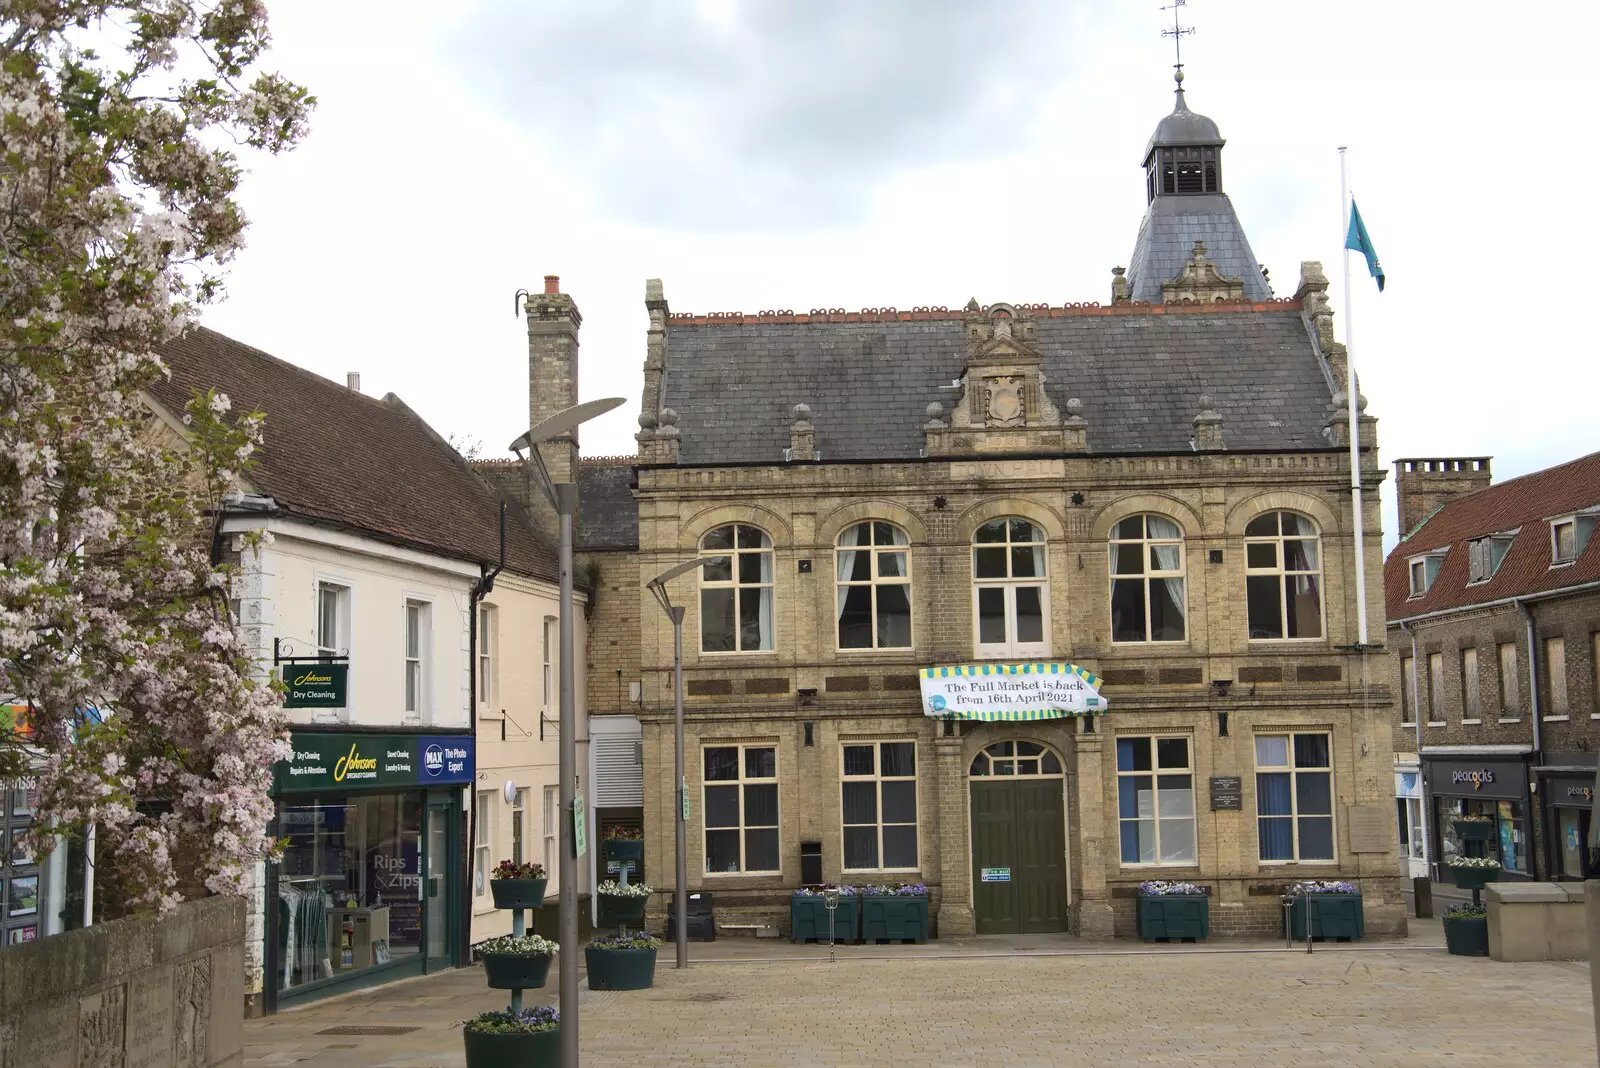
1018,839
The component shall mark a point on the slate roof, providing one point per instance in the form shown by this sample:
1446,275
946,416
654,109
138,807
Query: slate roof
1139,375
608,515
1167,233
335,455
1526,503
1183,127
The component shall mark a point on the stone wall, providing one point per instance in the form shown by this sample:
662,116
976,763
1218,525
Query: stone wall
143,992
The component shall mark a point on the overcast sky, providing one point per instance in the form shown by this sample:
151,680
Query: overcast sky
821,153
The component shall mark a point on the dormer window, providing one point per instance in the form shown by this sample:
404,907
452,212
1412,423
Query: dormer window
1424,569
1484,555
1569,535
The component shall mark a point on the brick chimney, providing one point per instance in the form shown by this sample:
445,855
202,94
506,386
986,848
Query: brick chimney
1424,485
553,323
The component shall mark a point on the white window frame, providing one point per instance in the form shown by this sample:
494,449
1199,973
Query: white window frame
1436,690
875,581
1148,573
877,778
744,827
1582,524
551,820
1294,815
1424,570
488,639
550,638
1411,848
1010,648
1471,695
1555,673
417,658
738,586
1510,679
1155,819
519,825
1283,575
483,842
340,643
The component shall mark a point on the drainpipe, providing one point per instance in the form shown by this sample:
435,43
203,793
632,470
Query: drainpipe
1536,713
1416,716
480,590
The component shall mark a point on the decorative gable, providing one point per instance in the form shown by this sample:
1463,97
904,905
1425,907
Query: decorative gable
1201,281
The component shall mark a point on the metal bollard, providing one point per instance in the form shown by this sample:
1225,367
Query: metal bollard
830,901
1288,925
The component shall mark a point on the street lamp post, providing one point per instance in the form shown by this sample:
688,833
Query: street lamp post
680,897
564,497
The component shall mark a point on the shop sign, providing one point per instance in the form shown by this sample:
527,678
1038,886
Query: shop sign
330,763
580,828
1497,779
1227,792
996,875
1010,693
315,685
1570,792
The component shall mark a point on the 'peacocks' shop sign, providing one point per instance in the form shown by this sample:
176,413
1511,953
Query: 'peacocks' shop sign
330,763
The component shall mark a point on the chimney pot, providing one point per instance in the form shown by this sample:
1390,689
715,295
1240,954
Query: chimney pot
552,284
352,380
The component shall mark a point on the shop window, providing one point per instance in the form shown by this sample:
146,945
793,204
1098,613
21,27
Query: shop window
1294,797
1436,688
22,906
1011,593
1410,827
482,842
1508,676
349,889
741,808
1510,844
1283,576
878,802
333,619
418,628
519,824
1555,678
736,590
1155,801
1470,706
488,643
1147,586
872,567
1572,836
1408,689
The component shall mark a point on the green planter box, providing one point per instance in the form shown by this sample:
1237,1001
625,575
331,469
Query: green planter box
808,918
625,849
518,893
1174,917
540,1049
1473,878
620,969
1467,936
1335,917
1473,830
616,911
516,971
894,917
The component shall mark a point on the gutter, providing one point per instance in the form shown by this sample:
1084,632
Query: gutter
1547,595
1533,680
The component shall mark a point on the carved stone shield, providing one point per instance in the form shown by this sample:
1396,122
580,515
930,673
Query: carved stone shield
1005,402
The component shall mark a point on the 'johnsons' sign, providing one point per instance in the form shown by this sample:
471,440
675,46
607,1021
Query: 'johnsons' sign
335,762
314,685
1010,692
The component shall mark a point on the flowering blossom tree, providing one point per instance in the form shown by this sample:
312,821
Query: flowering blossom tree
145,715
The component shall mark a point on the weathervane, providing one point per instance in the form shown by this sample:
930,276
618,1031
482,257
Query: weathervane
1177,33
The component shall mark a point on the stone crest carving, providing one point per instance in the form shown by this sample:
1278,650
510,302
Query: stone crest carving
1006,406
192,995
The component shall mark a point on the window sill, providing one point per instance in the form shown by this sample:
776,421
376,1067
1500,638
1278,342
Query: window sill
1557,719
1298,863
1173,866
1440,723
744,875
881,871
1472,722
1563,563
1287,641
1509,719
1594,715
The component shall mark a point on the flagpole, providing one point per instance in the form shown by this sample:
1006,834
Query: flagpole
1350,398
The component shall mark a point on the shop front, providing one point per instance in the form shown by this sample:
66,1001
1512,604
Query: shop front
1566,792
369,887
1498,788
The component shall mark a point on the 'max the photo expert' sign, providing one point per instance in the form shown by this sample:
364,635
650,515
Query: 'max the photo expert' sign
333,763
1010,692
315,685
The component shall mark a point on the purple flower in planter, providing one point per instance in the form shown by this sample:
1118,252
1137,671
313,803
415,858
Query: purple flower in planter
896,890
1324,886
809,891
1163,888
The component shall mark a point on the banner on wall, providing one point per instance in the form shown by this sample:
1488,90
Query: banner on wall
1010,692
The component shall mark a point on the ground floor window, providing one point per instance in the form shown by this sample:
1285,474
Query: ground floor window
1410,827
1294,797
1510,843
741,808
22,910
349,893
1572,836
1155,801
879,806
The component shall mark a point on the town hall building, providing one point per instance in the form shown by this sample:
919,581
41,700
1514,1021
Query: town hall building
1152,491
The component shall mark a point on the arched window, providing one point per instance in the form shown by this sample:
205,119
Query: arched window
1010,591
1147,589
1015,758
736,590
1283,576
872,565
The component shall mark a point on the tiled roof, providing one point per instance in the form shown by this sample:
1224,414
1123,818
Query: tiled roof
608,515
1139,371
1171,226
1527,503
335,455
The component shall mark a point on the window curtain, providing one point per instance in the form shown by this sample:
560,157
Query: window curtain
845,562
1273,809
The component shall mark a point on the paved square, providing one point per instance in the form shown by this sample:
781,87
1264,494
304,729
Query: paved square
1339,1006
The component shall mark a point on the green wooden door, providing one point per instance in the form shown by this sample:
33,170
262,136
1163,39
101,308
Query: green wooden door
1018,856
